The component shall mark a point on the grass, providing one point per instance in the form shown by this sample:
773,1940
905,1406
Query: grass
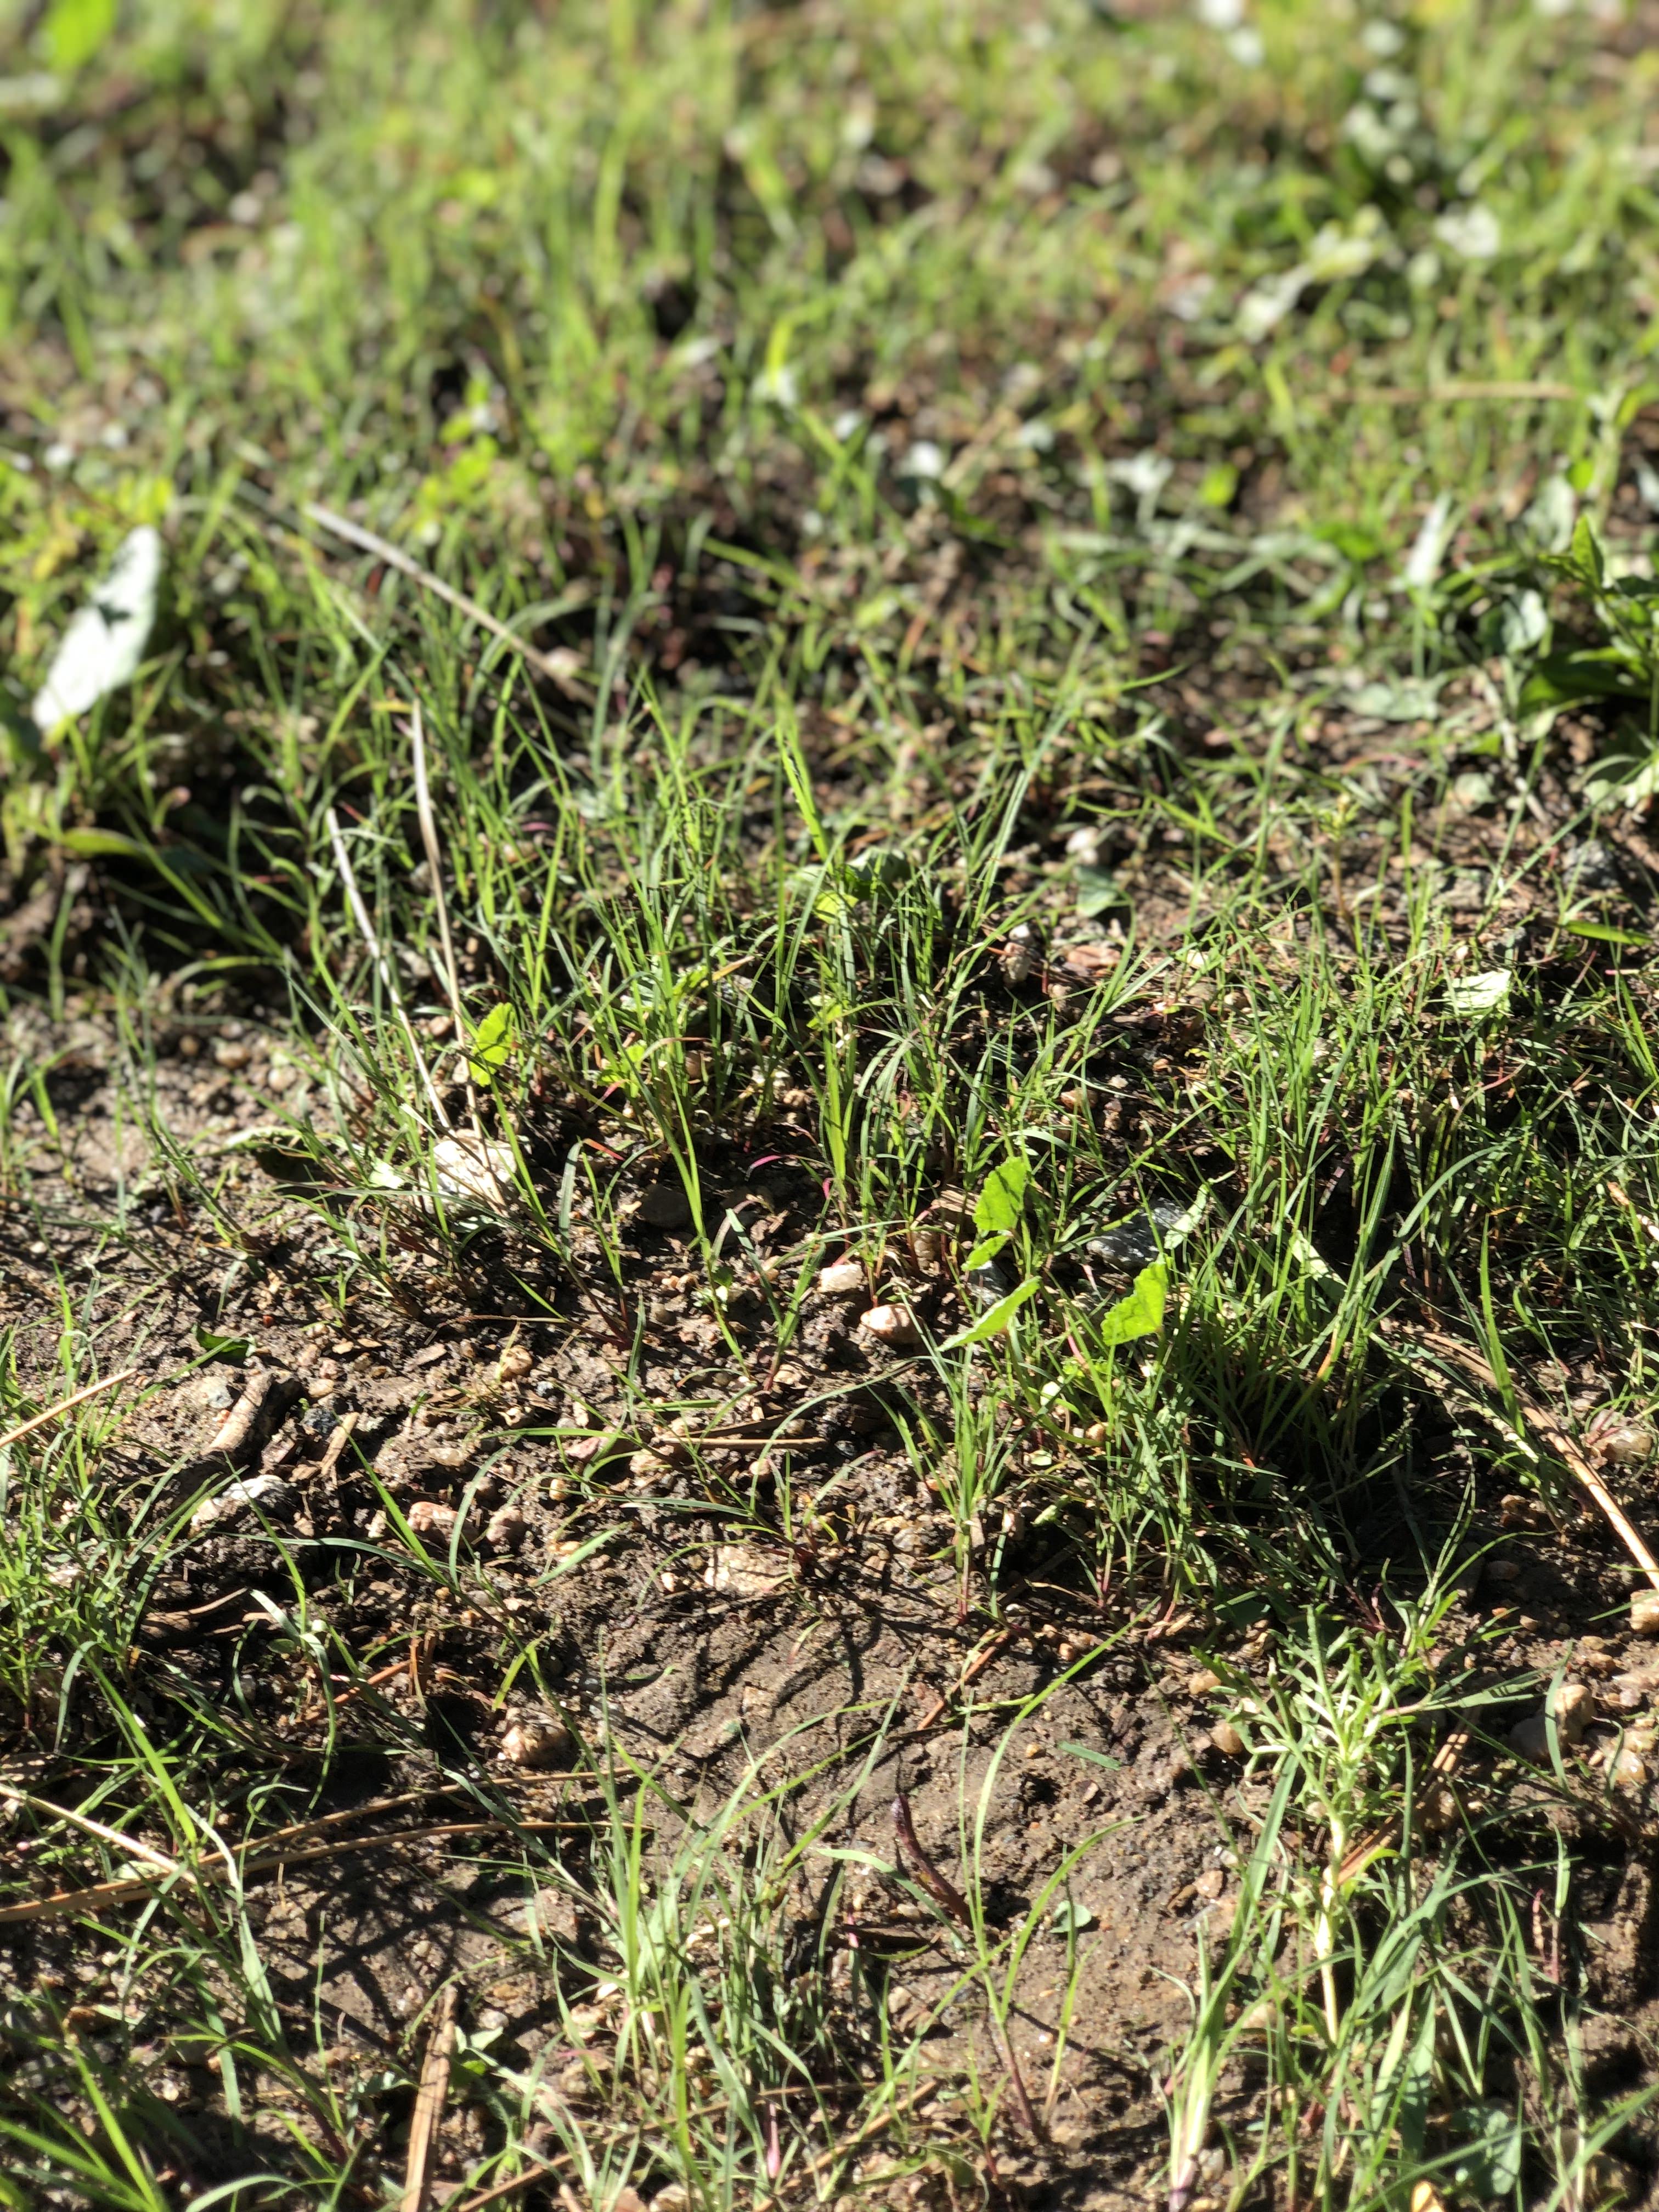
1098,571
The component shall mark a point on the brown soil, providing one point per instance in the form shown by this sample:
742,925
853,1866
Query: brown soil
689,1639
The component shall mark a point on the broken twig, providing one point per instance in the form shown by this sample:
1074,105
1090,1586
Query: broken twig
382,965
1554,1437
452,973
429,2101
64,1406
64,1904
945,1894
558,667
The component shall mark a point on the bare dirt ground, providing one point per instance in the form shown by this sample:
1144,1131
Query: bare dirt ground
769,1586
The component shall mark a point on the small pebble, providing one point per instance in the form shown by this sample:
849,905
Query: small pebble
207,1394
1629,1770
537,1742
427,1517
506,1527
1531,1739
1022,956
230,1052
1436,1809
516,1363
1202,1684
840,1277
1627,1444
1645,1613
988,1283
1227,1740
268,1493
1573,1705
927,1249
663,1206
893,1325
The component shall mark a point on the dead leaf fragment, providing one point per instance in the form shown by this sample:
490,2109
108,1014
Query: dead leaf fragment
477,1169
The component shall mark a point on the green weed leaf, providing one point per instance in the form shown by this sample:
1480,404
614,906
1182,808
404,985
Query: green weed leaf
1097,888
1586,553
235,1348
74,29
492,1043
1489,2162
1561,678
1087,1751
1141,1313
993,1322
1603,933
799,780
103,845
1003,1200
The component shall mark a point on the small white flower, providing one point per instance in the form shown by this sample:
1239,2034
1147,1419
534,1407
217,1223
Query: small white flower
1423,269
1472,231
779,385
1428,549
1266,305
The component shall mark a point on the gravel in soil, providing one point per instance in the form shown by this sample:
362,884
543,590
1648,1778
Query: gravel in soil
681,1628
